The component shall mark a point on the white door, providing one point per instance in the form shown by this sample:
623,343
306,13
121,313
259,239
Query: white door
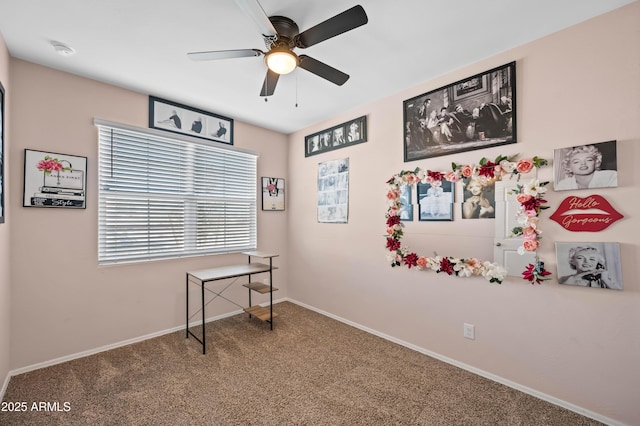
505,247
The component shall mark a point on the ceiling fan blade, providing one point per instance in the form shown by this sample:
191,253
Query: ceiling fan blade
224,54
323,70
269,85
256,12
341,23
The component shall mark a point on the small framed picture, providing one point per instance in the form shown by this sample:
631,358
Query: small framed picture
479,198
1,153
585,167
406,198
589,265
435,201
54,180
272,194
177,118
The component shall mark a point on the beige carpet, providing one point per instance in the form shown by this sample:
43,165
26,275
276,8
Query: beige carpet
310,370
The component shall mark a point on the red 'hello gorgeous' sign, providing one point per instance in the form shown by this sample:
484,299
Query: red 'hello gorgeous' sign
600,217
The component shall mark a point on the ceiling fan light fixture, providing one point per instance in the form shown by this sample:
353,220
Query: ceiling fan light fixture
281,61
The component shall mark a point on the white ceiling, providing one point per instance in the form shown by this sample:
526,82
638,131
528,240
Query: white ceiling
142,44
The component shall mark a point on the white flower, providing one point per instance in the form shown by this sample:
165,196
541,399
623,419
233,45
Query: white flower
434,263
507,166
422,175
463,269
491,271
522,218
533,188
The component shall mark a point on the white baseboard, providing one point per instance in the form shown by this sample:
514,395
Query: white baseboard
467,367
4,386
116,345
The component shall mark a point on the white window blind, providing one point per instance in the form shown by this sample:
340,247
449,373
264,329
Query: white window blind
163,197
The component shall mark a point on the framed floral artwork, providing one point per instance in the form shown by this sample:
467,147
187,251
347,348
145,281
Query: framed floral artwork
54,180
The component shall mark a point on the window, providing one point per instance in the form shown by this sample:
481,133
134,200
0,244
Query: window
165,197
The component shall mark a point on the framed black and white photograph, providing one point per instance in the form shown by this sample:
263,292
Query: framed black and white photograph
589,264
479,198
333,191
435,201
406,198
54,180
475,113
272,193
585,166
177,118
1,153
346,134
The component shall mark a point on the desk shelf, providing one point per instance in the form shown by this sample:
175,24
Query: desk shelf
261,312
260,288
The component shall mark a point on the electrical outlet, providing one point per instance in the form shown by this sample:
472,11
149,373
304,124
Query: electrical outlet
469,331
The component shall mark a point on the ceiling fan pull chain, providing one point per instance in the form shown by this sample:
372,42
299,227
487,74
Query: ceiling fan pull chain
296,90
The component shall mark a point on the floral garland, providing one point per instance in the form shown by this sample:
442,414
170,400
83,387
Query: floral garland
531,204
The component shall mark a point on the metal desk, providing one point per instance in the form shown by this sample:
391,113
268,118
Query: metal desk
204,276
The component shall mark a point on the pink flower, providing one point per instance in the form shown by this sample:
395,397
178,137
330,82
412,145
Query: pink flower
390,230
452,176
467,171
530,230
530,245
525,165
523,198
410,178
392,195
421,262
49,165
474,264
531,213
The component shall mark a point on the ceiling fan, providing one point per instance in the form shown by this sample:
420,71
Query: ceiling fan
281,35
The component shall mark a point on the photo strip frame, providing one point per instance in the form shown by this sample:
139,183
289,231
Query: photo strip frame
341,136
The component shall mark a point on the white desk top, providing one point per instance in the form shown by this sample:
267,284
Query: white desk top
228,271
261,254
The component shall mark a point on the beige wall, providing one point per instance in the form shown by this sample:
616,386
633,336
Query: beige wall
576,345
5,277
63,303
